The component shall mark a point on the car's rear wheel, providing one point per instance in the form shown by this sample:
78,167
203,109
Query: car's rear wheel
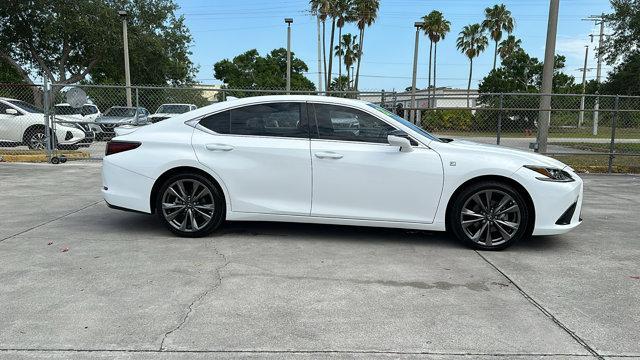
490,216
190,205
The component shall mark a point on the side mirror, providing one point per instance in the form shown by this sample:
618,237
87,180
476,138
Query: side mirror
11,111
403,143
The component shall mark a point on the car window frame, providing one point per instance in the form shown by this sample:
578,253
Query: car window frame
304,115
315,135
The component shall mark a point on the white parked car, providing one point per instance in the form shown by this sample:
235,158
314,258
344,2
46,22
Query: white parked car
85,115
280,158
22,124
166,111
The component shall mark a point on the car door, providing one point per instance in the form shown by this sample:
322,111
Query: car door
11,128
261,152
358,175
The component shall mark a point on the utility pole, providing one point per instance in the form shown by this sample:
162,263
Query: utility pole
288,21
418,25
319,57
584,85
127,74
598,20
547,77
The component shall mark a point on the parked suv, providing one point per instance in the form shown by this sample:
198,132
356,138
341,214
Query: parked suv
119,116
22,124
85,115
166,111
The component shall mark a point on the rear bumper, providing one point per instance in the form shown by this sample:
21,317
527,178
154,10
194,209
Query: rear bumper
125,189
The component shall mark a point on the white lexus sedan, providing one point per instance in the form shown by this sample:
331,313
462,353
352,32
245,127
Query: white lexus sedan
329,160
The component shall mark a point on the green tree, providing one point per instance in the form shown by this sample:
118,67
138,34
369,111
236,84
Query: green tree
472,42
350,52
624,24
9,74
624,79
436,28
343,12
509,46
71,41
252,71
366,12
521,73
339,84
497,19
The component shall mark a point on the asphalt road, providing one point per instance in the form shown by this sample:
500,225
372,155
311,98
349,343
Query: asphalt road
81,281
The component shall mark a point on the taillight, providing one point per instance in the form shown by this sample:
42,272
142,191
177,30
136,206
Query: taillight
114,147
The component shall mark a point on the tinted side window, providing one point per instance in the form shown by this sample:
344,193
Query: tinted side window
272,119
343,123
219,122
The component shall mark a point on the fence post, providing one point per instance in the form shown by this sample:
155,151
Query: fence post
614,121
499,130
137,99
47,129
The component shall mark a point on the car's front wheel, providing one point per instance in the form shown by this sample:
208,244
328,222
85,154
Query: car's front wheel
190,205
490,216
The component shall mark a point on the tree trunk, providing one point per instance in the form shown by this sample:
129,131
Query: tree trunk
324,56
469,84
429,72
355,85
339,57
495,55
329,71
435,63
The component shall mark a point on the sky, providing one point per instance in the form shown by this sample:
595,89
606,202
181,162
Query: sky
224,29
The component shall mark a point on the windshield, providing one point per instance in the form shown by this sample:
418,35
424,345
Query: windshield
404,122
66,110
121,112
172,109
25,106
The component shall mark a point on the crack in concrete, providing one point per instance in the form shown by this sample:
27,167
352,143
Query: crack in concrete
544,311
199,298
439,285
52,220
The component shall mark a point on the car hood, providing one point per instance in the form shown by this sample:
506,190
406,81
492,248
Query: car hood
500,152
114,119
162,115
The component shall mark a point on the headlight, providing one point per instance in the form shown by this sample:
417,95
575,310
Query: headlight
551,174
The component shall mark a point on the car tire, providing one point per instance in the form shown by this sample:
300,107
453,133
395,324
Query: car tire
190,205
35,138
490,215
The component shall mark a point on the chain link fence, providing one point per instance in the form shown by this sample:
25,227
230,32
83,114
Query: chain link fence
591,133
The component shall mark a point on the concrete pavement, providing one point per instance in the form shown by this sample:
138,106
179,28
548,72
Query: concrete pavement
81,281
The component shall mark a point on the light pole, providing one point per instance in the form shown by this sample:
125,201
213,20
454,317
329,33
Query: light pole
547,76
127,74
584,85
418,25
288,21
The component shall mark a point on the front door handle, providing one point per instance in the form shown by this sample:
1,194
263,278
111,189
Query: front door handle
218,147
328,155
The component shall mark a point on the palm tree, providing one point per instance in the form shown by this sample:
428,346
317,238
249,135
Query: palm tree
508,46
472,42
498,18
349,50
366,12
342,11
436,28
320,8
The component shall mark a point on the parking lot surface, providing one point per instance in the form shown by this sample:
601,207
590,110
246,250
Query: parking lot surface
81,281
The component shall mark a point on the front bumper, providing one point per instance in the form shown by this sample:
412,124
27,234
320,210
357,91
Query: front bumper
553,202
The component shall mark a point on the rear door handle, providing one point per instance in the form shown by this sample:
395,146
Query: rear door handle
219,147
328,155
